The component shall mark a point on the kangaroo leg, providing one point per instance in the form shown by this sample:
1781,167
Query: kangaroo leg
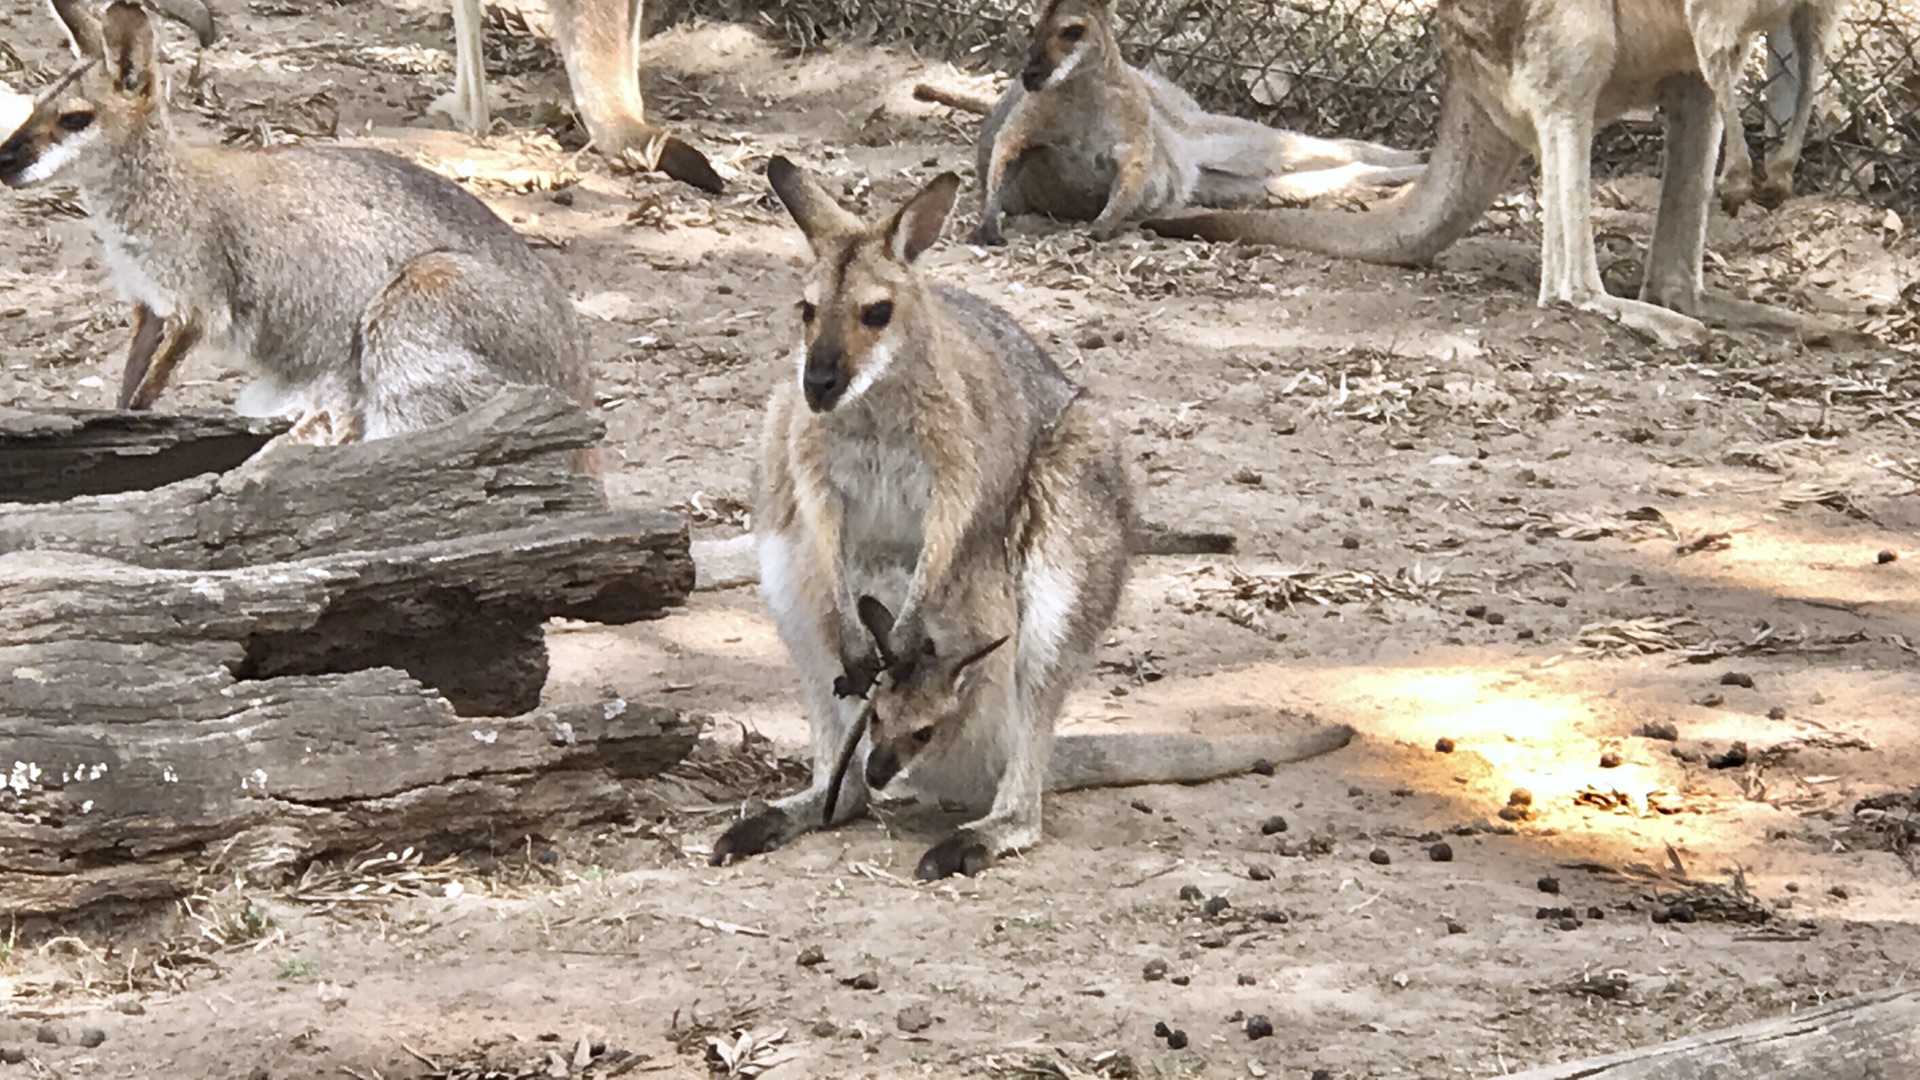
1673,277
191,13
804,612
1129,191
1002,163
158,345
1070,580
1808,27
466,103
599,42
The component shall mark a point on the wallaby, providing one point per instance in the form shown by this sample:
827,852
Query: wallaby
1539,76
1081,135
599,42
372,296
1809,25
929,459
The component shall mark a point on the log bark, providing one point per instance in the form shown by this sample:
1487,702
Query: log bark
1868,1037
58,454
529,541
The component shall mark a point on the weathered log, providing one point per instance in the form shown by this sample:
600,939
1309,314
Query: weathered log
1867,1037
528,542
60,453
163,766
508,463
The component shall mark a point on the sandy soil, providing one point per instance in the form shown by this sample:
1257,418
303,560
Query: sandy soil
1524,531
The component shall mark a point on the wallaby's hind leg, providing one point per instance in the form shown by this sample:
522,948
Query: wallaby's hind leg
1673,278
1563,94
466,103
1070,585
803,609
1808,26
599,42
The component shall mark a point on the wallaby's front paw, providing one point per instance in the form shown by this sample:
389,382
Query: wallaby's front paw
1103,233
962,853
857,675
985,236
756,835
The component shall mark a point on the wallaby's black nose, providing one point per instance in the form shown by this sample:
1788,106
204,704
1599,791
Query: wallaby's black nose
823,384
13,161
882,764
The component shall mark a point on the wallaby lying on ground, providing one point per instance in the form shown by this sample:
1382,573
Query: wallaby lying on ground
1810,22
1083,136
599,42
373,296
1538,76
930,460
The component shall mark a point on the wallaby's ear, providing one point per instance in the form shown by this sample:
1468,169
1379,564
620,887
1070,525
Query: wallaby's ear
82,27
879,623
818,214
127,37
916,225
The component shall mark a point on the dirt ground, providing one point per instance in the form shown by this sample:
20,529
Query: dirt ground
1461,517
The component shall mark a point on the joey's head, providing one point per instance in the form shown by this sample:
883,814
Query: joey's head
922,701
81,125
1068,35
863,298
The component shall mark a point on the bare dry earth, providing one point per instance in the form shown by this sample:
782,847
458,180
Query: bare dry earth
1394,449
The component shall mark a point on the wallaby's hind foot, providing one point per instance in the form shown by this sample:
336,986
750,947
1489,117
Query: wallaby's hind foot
646,148
756,835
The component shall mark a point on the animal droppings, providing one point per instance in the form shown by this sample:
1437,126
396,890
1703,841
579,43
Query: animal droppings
1737,678
1263,767
1274,824
1154,971
1441,852
1257,872
810,956
1216,905
1548,885
1443,746
1258,1026
1609,760
1177,1040
1191,893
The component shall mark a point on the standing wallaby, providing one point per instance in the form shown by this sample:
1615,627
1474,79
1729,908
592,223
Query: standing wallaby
372,296
930,460
1083,136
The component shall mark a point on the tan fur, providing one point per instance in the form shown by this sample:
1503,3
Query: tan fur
1082,135
1811,25
599,42
1539,76
371,296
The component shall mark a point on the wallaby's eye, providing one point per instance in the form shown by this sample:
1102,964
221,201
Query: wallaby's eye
79,120
806,312
878,315
923,736
1072,33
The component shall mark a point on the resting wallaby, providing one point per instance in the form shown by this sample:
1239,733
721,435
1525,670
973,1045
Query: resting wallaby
1081,135
372,296
1810,25
599,42
1538,76
933,460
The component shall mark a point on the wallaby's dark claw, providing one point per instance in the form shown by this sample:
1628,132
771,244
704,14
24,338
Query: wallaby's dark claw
961,853
756,835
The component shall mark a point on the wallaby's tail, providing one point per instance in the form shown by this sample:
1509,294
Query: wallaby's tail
1469,167
952,99
1118,760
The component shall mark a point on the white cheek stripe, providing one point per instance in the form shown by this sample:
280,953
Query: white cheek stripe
1066,67
877,364
54,158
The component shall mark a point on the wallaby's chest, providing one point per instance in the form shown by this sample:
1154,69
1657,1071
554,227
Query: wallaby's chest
881,480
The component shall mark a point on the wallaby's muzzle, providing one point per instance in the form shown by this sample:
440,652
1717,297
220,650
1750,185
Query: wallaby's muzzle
1039,68
882,766
824,380
15,158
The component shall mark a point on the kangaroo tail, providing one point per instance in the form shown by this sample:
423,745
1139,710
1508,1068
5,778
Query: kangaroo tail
952,99
1118,760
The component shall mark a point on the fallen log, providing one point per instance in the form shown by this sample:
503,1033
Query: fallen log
530,541
1867,1037
60,453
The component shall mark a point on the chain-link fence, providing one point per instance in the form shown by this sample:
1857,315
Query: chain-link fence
1368,69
